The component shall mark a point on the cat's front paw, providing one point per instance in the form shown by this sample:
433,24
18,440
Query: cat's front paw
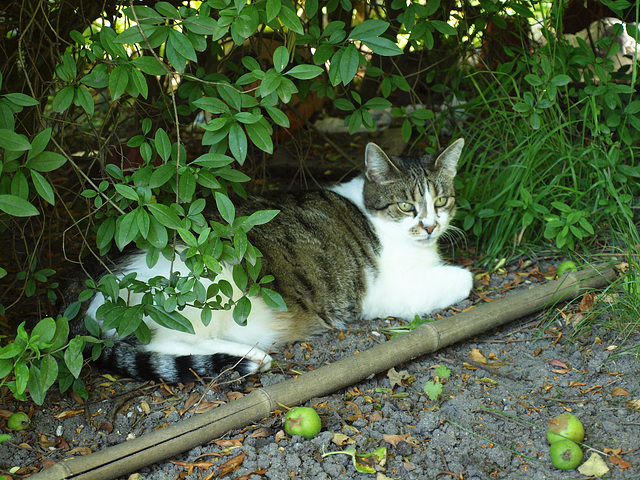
456,285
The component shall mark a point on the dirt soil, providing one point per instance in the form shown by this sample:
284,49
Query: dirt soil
488,423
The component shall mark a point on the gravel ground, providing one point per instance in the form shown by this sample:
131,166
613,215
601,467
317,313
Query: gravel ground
488,422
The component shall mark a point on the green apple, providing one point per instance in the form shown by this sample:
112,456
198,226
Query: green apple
564,267
565,454
565,427
18,421
303,421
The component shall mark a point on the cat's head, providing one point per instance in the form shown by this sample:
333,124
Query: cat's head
414,192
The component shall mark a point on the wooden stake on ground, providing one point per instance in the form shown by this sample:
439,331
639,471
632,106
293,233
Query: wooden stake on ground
154,447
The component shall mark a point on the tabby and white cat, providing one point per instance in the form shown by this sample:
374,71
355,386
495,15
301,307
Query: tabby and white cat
362,249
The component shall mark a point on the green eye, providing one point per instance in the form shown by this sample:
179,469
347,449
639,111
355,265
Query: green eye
441,201
406,207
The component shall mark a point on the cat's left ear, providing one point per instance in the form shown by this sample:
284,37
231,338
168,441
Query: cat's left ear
378,166
448,159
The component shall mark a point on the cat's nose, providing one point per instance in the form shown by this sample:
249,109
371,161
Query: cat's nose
429,228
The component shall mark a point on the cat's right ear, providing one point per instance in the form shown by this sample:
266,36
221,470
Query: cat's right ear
378,166
448,159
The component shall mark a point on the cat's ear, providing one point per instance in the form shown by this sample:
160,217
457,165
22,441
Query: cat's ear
448,160
378,166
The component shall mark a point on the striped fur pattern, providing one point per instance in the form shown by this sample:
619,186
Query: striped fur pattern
362,249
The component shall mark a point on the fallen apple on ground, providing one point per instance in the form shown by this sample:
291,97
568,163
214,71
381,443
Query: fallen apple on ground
303,421
18,421
565,454
565,427
566,266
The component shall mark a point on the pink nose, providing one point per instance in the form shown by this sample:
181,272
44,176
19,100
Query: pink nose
429,229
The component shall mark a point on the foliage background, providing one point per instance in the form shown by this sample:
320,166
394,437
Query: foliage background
97,102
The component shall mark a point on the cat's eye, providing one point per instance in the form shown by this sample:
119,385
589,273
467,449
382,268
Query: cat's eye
406,207
441,201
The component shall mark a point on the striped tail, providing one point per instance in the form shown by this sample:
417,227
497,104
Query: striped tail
129,360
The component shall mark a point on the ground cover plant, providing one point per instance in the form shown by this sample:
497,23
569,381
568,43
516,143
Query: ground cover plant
99,150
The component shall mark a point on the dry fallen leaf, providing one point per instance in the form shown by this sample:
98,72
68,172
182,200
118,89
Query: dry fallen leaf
395,439
231,465
234,396
68,414
377,416
396,378
261,432
558,363
341,439
249,475
231,442
207,405
619,391
623,464
635,404
595,466
587,302
476,356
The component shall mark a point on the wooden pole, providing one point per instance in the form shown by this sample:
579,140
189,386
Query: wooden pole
156,446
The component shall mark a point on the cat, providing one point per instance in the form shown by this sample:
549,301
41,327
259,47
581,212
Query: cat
363,249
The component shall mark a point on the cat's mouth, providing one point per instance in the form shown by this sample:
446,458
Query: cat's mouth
426,240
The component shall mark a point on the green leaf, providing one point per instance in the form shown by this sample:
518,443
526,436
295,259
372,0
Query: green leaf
175,57
43,187
305,72
289,19
377,103
273,9
131,36
280,58
182,44
383,46
238,143
97,78
273,299
73,357
173,320
368,29
126,191
443,27
139,82
39,143
433,390
260,136
241,310
149,65
213,160
13,142
84,99
560,80
212,105
63,99
163,144
167,216
16,206
201,25
21,99
46,162
260,217
349,63
166,9
162,175
126,229
225,207
278,116
118,81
